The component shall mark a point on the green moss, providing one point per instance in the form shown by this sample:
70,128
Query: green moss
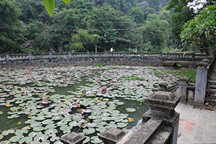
188,73
158,73
100,65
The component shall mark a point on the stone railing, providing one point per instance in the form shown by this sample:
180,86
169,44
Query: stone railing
105,58
165,56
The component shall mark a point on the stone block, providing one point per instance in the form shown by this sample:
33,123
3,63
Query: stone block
73,138
181,90
162,106
190,96
112,136
162,103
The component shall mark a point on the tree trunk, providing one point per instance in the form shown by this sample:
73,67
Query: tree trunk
95,48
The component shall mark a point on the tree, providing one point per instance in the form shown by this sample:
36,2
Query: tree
50,5
10,27
94,25
32,10
180,14
39,37
111,25
66,23
121,5
155,33
140,14
84,40
200,32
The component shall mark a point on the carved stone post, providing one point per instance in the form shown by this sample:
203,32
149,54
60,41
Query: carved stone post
181,90
162,106
201,82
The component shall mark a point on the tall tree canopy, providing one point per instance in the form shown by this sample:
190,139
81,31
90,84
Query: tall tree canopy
10,32
85,25
180,13
200,32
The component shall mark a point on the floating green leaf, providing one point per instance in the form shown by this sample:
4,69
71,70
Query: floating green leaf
130,110
89,131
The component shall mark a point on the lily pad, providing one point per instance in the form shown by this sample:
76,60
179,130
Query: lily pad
96,140
1,112
130,110
89,131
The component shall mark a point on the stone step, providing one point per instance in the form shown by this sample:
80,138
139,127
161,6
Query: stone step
162,136
209,90
212,86
211,95
212,81
145,132
210,99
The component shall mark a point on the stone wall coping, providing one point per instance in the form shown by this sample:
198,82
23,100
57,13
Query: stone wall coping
163,99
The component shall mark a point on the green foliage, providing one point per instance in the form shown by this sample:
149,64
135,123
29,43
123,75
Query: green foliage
155,33
50,5
172,50
133,77
100,65
140,14
188,73
10,27
111,25
83,39
180,14
32,10
84,25
201,31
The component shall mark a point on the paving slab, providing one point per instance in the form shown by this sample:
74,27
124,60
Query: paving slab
196,126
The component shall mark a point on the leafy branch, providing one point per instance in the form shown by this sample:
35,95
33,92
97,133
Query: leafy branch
50,5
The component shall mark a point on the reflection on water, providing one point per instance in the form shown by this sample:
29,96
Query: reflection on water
14,123
141,108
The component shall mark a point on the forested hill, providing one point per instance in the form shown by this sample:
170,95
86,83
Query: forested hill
85,25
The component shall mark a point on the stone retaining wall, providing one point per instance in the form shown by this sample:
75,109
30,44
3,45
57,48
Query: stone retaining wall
105,58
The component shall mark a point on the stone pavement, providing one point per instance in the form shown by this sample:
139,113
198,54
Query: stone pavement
196,126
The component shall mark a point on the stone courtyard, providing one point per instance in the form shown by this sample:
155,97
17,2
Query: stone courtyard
197,126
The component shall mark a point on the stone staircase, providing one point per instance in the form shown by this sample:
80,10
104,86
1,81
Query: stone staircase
211,86
211,91
150,132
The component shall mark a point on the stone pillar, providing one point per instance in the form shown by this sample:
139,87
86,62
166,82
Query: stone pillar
181,90
190,96
162,106
201,82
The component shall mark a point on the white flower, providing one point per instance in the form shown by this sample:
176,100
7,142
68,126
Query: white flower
196,5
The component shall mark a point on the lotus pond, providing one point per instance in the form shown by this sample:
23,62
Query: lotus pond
39,105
